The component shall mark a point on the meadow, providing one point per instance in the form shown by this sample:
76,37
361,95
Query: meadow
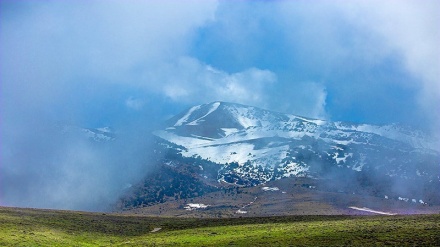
37,227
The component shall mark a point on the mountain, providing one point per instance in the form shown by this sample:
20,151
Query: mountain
267,145
103,134
222,144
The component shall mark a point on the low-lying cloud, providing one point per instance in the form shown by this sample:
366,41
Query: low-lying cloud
189,80
131,65
77,64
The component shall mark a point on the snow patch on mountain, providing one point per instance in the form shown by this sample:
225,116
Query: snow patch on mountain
184,119
414,138
268,145
270,189
102,134
213,108
229,131
294,170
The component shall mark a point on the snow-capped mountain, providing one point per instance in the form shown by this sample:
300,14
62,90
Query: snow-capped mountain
103,134
264,145
213,147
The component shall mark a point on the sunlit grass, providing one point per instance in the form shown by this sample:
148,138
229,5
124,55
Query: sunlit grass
25,227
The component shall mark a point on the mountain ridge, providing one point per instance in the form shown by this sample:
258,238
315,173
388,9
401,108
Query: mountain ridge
220,145
392,131
227,133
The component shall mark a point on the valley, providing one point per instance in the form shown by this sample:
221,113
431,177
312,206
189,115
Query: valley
290,196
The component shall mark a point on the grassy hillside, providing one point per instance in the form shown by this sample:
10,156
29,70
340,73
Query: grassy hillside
294,196
28,227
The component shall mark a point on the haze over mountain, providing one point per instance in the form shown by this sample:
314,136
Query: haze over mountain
131,66
221,145
226,132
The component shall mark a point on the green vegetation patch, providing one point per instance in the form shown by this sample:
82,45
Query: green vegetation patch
29,227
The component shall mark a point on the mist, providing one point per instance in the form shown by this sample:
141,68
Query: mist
70,64
132,65
49,162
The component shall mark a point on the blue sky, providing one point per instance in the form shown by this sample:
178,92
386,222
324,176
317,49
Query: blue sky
133,64
93,63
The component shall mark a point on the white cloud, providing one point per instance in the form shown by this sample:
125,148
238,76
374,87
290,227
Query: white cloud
320,97
306,98
382,36
189,80
249,86
134,103
57,59
409,28
53,44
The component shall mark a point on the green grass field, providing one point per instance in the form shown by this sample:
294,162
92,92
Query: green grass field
28,227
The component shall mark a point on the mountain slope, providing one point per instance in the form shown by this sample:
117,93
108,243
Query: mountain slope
269,145
221,145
